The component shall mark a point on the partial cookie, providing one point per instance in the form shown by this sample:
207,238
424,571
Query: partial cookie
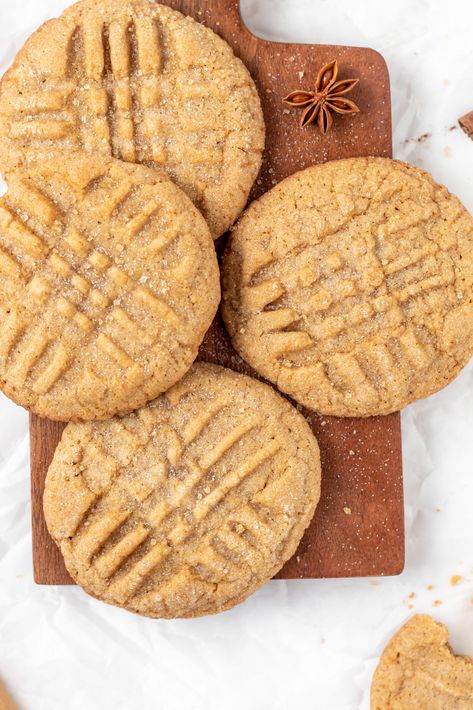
6,702
142,83
349,285
188,505
418,671
109,281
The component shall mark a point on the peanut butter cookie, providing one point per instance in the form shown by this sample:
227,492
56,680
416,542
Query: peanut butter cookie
142,83
188,505
109,281
6,702
349,285
418,671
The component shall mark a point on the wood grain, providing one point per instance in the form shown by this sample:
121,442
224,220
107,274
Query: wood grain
358,528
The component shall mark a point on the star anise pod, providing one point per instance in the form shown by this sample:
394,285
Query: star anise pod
327,97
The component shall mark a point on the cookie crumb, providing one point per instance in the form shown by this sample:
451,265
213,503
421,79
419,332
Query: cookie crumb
454,579
437,602
420,139
347,510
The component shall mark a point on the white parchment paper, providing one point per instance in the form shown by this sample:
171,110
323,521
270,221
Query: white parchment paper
298,644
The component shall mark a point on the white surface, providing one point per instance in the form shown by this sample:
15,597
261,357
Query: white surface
300,644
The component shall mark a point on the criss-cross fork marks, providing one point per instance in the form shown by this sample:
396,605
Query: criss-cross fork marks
233,556
373,369
110,101
118,64
37,118
129,527
121,63
46,256
340,319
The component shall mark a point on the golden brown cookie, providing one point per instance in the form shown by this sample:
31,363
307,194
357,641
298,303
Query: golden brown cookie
349,285
418,671
6,702
109,281
188,505
142,83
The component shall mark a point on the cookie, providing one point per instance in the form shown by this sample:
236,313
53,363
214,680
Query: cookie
6,702
349,285
188,505
108,283
142,83
418,671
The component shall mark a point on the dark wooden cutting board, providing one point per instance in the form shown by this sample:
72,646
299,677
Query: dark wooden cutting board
358,528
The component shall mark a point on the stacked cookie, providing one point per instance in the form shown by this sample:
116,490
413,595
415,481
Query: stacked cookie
186,506
111,283
349,285
142,83
130,137
112,277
